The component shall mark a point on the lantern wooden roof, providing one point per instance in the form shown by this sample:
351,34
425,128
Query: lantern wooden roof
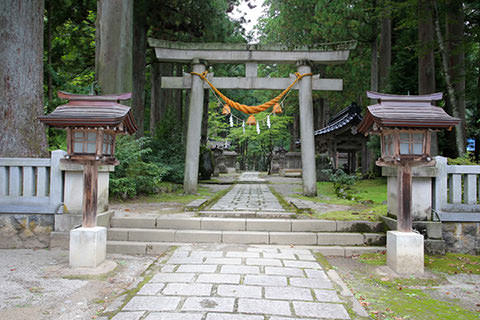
92,111
405,112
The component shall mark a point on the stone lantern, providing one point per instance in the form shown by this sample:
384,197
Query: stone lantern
92,123
405,124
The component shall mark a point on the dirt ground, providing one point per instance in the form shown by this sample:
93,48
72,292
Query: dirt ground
36,285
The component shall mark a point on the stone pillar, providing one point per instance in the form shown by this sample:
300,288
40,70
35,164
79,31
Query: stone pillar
306,130
195,111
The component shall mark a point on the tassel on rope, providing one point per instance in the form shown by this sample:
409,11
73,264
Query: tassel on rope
251,120
231,121
243,126
226,110
258,128
268,122
277,108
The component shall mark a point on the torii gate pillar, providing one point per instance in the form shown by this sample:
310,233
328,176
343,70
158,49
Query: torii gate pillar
195,112
306,130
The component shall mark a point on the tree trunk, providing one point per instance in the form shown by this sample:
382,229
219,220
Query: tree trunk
21,79
138,74
113,55
385,57
374,65
49,51
451,90
426,58
154,96
456,61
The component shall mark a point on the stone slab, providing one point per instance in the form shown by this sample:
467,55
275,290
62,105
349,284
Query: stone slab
264,280
342,239
259,306
314,283
239,291
174,316
324,310
152,303
151,235
223,224
284,271
136,315
326,295
237,269
264,262
229,316
245,237
195,236
151,289
209,304
133,222
219,278
197,268
314,225
178,223
268,225
302,238
187,289
173,277
302,264
288,293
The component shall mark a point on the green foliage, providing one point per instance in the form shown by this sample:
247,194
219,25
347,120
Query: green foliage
342,183
134,176
169,150
465,160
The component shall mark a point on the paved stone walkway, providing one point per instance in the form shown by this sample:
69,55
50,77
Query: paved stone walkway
249,197
215,282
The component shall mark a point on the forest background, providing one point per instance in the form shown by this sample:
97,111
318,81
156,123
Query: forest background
402,47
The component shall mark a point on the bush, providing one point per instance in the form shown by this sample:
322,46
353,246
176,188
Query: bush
342,183
134,176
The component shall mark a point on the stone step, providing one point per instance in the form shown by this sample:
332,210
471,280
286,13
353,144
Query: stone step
156,248
246,237
248,214
246,224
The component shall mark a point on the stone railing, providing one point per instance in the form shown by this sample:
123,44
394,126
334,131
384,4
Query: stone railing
455,196
31,185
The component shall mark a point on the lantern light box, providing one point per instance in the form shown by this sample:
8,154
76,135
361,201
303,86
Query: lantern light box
92,123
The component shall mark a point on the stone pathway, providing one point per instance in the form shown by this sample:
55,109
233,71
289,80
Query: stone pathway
249,197
220,282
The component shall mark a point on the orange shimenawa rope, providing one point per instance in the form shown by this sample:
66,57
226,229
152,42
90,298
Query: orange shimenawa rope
250,109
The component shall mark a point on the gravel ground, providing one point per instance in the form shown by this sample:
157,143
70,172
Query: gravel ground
33,285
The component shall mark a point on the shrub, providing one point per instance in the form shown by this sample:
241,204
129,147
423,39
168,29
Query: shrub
134,175
342,183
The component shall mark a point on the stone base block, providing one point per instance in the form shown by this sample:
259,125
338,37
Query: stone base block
405,252
88,247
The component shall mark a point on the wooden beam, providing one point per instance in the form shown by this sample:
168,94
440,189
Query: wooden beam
185,82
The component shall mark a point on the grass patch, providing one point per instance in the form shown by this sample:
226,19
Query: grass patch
173,194
285,205
453,263
369,204
375,259
323,261
389,300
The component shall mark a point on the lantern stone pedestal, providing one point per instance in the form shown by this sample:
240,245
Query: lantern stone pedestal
405,252
88,247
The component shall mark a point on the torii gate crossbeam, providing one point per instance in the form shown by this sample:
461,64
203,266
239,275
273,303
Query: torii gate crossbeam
251,56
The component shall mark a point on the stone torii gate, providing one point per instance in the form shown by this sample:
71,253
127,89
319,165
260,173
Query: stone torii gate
198,54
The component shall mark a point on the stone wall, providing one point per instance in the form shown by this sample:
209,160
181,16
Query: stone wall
25,230
462,237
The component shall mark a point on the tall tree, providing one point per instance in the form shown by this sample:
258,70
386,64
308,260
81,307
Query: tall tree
426,57
139,59
113,56
21,79
385,54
